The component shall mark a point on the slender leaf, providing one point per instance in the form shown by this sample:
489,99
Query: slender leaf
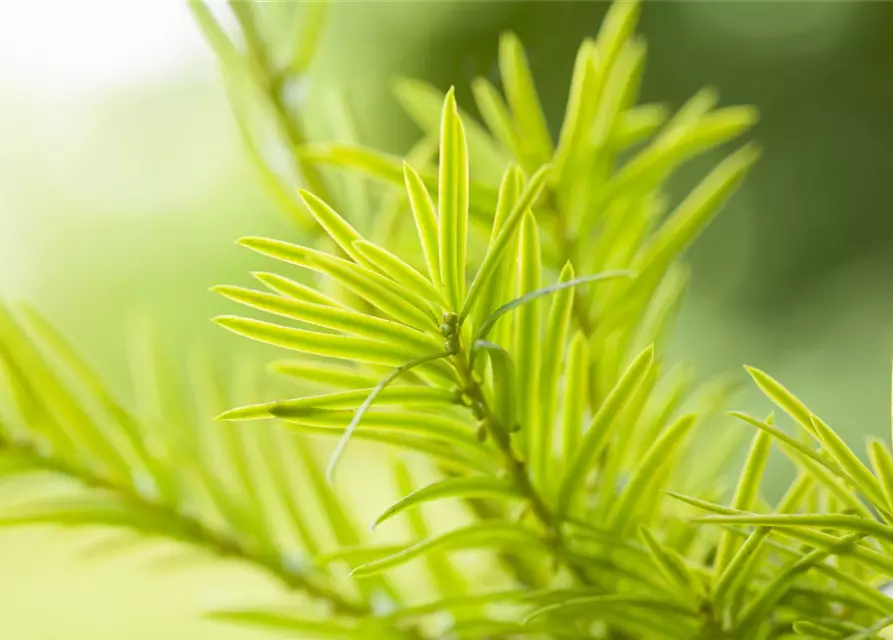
494,290
402,273
425,216
499,535
389,169
433,426
505,402
380,291
687,134
487,325
496,115
805,533
783,398
450,458
363,408
757,609
696,211
581,105
334,224
849,462
787,440
530,123
129,427
600,429
617,27
339,522
553,348
842,522
358,555
636,124
506,233
296,290
743,564
403,394
594,607
477,487
407,395
100,509
619,82
72,427
444,605
443,573
423,103
526,348
329,374
310,22
649,469
746,493
221,44
576,390
882,462
452,204
353,322
314,343
669,563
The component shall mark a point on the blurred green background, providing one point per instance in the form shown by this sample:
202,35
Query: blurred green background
123,185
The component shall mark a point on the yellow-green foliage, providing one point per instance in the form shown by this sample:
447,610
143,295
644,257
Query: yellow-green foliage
491,315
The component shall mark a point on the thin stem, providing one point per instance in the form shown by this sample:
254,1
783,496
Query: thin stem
200,535
513,464
271,82
522,572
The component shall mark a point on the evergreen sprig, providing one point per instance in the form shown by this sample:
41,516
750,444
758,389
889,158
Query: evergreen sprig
504,349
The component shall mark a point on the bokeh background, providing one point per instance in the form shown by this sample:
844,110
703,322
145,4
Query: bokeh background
123,184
